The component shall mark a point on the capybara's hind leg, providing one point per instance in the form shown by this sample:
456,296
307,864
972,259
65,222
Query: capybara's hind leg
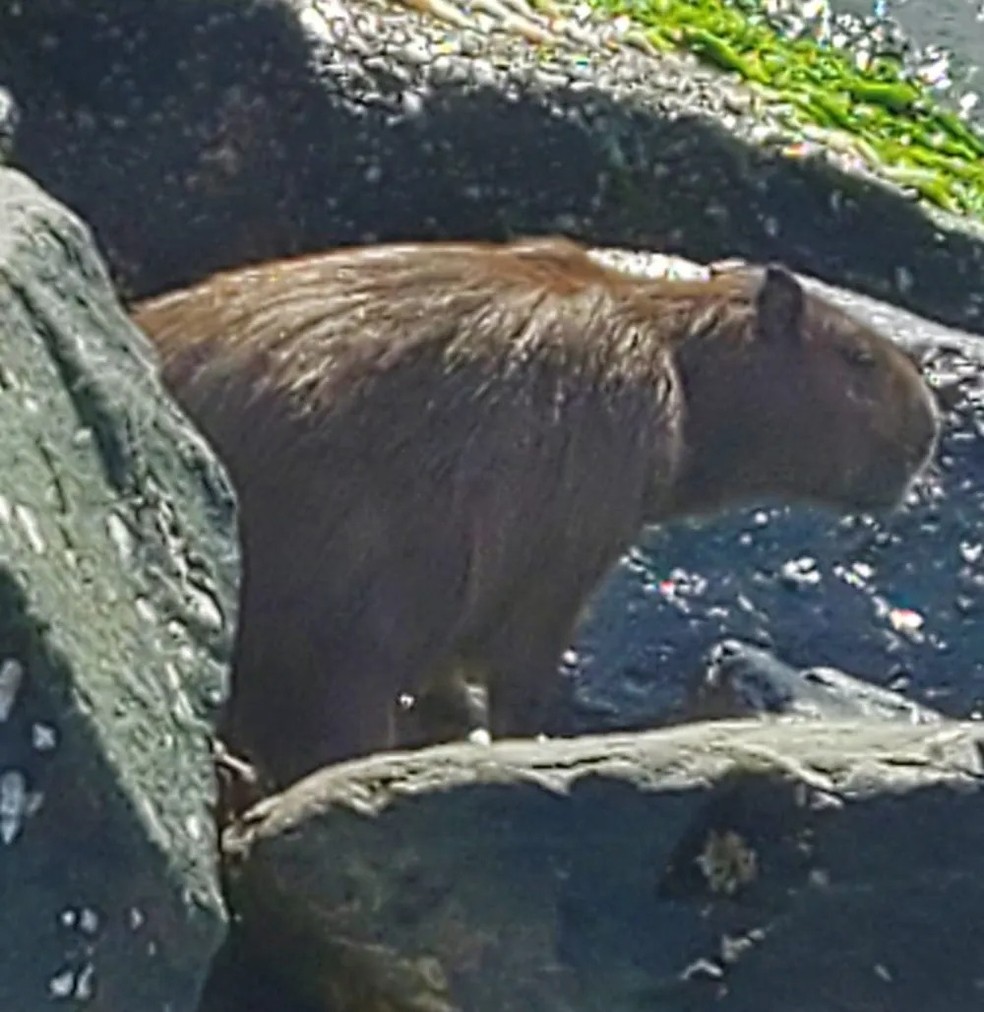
291,726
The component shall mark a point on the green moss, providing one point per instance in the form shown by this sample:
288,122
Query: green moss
877,114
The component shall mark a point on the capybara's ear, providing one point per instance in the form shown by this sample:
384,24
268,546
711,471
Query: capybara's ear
780,304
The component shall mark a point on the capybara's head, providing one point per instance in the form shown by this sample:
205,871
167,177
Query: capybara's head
789,397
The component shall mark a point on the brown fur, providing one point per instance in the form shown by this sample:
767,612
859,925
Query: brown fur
441,449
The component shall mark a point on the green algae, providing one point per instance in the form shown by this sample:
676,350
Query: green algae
875,114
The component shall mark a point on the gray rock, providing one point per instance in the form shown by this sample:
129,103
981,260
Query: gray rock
118,580
733,865
742,680
9,118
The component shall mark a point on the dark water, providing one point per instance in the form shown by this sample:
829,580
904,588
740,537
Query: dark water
956,26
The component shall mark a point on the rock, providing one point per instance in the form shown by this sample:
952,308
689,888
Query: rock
741,680
195,136
202,135
118,580
730,865
9,116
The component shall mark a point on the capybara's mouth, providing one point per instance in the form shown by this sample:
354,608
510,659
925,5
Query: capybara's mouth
886,488
887,482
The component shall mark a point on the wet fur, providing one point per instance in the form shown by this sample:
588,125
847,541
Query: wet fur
441,449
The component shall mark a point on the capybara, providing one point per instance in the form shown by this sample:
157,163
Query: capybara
440,449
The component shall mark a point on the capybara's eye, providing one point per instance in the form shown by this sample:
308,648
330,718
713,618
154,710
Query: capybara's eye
857,354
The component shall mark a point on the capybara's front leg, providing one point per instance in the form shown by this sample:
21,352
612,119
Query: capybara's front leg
525,686
452,706
525,703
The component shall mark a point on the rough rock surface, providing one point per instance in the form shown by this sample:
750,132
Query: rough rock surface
118,577
197,135
742,680
735,865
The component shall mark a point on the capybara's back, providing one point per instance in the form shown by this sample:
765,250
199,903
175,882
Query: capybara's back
440,450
